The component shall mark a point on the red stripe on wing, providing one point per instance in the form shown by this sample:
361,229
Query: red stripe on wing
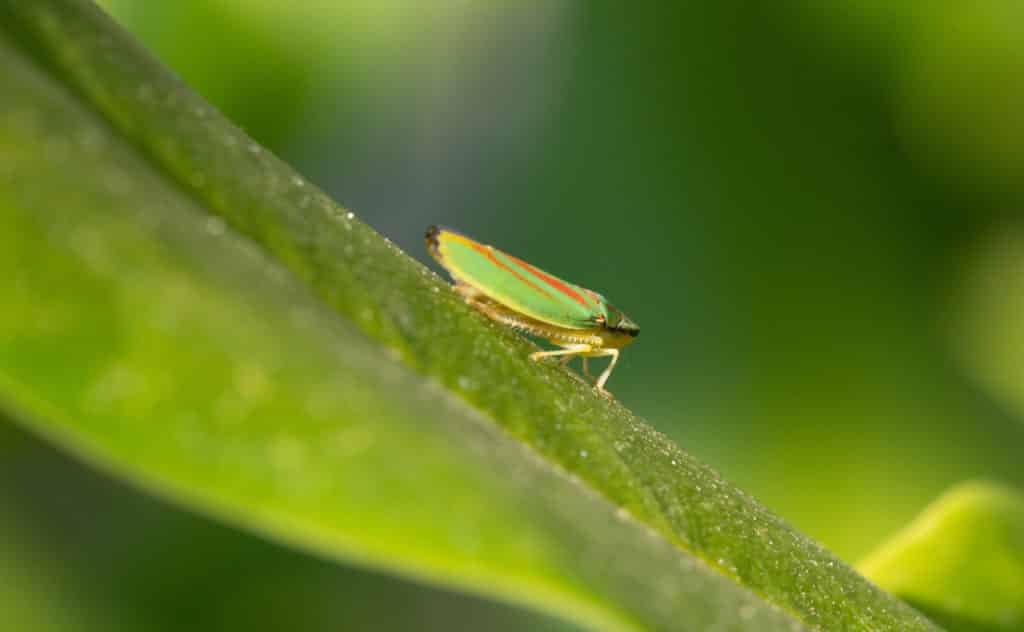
551,281
485,251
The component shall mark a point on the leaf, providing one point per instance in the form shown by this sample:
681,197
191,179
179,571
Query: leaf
189,313
986,325
32,593
962,560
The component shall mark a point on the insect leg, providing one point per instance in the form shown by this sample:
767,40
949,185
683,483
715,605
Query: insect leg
567,358
572,351
614,353
468,292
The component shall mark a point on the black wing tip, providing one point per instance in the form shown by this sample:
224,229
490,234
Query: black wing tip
432,233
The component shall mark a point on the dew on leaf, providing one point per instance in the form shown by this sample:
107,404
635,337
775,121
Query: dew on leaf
214,225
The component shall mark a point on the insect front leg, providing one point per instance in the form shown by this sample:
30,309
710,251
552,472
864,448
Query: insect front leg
614,353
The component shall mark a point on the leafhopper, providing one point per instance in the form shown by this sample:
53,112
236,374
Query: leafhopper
514,293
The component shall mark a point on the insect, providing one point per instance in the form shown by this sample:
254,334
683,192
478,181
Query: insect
514,293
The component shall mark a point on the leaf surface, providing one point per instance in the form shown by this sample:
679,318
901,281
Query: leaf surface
962,560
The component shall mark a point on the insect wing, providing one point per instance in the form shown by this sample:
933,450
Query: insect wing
514,283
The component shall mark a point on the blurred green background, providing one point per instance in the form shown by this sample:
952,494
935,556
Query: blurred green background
812,209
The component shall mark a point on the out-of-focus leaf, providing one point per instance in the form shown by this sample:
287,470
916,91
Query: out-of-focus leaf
961,561
34,594
961,94
989,331
173,315
106,556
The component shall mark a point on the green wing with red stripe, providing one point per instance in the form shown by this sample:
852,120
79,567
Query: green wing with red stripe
515,283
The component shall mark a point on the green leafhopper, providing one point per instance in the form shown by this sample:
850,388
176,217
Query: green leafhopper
515,293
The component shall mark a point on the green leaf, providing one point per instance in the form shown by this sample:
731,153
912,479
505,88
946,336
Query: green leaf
962,560
987,326
187,312
33,595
